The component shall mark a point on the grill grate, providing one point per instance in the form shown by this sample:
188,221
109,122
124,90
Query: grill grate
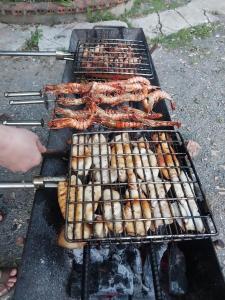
120,166
110,58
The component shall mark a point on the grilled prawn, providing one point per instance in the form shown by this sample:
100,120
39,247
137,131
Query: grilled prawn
155,97
71,123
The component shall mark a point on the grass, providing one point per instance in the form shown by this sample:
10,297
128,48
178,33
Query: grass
184,37
32,42
105,15
99,15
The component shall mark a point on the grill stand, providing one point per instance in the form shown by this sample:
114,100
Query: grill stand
46,268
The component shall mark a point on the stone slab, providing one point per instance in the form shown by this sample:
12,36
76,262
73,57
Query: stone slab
217,6
172,22
194,15
150,25
14,37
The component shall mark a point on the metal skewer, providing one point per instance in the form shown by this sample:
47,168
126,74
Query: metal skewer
44,101
23,123
37,182
57,54
24,94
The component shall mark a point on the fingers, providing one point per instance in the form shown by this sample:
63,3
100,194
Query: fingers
40,147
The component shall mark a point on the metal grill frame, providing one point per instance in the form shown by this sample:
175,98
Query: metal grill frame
168,232
144,68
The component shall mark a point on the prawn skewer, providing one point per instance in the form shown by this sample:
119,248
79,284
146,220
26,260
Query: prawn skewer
120,124
141,113
71,123
155,97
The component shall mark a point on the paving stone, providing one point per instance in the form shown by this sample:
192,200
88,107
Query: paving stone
172,22
14,37
210,5
150,24
193,16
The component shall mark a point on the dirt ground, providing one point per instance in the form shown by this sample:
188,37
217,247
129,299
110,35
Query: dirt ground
194,75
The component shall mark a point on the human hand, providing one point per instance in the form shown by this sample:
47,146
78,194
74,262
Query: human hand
20,149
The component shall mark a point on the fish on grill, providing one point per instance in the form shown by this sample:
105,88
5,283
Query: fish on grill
186,205
118,160
112,210
92,194
81,155
100,228
137,209
166,157
101,160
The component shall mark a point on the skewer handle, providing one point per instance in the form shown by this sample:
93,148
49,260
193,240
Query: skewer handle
56,54
23,94
23,123
21,102
47,182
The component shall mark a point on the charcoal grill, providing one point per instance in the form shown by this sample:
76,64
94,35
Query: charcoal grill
44,262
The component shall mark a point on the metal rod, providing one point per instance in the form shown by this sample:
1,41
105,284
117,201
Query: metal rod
23,94
56,54
23,123
27,53
47,182
22,102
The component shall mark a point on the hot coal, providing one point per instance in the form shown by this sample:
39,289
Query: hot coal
114,271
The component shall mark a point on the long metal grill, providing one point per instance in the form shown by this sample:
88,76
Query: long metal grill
104,58
118,193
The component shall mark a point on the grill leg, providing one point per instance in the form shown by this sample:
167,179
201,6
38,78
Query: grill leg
86,260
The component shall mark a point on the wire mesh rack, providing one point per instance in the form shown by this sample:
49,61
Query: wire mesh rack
123,186
117,58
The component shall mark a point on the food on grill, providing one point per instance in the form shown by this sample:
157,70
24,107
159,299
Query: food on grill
117,160
137,209
62,242
166,157
62,196
101,154
155,97
141,202
183,189
81,156
112,210
76,195
162,210
134,84
100,227
139,113
71,123
92,194
145,163
111,93
110,58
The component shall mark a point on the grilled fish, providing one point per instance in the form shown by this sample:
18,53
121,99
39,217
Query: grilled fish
112,210
90,207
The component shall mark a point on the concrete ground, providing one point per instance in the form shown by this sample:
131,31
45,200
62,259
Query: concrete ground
193,74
